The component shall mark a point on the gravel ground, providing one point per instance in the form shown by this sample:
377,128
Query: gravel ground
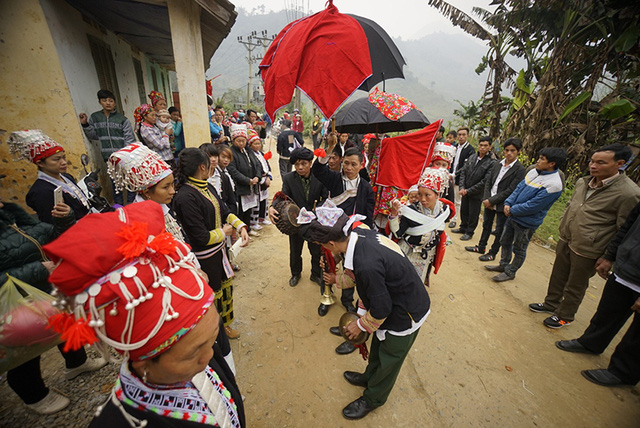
86,392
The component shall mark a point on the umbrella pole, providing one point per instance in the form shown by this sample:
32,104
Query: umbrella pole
333,124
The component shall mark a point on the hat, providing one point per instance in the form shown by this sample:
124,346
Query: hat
136,168
369,137
238,131
156,96
163,112
436,179
141,111
32,145
413,188
443,151
130,283
301,153
252,136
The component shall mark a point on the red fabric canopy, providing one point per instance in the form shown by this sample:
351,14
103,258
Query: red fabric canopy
403,158
326,55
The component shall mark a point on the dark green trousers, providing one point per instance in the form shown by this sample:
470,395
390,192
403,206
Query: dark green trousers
385,362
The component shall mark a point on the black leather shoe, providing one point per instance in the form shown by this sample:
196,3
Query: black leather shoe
294,280
355,378
345,348
458,230
466,237
335,330
602,377
494,268
351,308
452,224
316,279
573,346
323,309
357,409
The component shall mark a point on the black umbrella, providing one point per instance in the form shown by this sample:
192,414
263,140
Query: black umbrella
386,59
360,116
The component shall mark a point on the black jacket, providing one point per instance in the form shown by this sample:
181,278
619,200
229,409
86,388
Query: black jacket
228,194
292,187
111,416
623,248
507,185
283,145
464,154
40,199
242,170
362,204
387,282
20,256
474,174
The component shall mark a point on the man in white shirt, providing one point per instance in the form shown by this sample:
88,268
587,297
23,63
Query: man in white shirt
502,181
464,151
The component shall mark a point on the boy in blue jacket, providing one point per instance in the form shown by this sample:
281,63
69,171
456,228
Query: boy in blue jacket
526,208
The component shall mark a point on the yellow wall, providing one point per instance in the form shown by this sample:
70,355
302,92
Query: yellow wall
33,94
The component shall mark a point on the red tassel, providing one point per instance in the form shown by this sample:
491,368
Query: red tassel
77,335
268,155
319,152
163,243
60,322
364,351
135,236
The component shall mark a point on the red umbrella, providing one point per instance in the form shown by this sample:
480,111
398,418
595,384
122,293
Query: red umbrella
326,55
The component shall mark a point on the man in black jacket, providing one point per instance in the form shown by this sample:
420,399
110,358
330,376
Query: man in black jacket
306,191
620,299
288,141
472,178
502,181
463,151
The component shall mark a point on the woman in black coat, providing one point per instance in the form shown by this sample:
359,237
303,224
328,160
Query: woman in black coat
245,169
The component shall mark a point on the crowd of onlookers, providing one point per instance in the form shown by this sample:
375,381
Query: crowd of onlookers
219,194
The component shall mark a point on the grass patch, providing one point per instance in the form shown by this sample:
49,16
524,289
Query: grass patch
551,224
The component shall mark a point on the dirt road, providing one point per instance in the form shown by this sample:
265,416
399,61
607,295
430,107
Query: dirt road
481,359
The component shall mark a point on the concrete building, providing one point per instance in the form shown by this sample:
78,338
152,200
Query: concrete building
55,55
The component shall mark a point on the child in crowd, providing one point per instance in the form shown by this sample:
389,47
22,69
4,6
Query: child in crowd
152,136
411,197
259,213
178,136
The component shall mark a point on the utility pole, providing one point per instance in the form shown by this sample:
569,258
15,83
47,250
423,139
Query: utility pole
250,44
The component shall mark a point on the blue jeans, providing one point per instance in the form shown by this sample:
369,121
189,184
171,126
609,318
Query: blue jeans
515,240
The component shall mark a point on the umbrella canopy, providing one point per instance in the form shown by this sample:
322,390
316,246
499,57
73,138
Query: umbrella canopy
386,59
380,112
361,54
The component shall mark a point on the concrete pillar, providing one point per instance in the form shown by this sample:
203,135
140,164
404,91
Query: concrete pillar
184,17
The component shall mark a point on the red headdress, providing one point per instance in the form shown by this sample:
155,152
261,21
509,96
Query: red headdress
32,145
129,283
436,179
141,112
156,96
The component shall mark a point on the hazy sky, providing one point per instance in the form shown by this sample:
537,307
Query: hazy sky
409,19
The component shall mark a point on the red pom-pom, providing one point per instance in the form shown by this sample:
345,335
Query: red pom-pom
320,153
77,335
268,155
163,243
60,322
135,236
364,351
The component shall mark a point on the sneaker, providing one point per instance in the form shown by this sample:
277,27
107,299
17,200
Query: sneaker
266,222
253,233
487,257
540,307
90,365
452,224
52,403
475,249
256,227
554,322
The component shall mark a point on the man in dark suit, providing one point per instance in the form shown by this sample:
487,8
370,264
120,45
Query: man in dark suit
502,181
306,191
472,178
465,150
288,141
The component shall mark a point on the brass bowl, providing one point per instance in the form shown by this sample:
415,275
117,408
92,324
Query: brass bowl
345,320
